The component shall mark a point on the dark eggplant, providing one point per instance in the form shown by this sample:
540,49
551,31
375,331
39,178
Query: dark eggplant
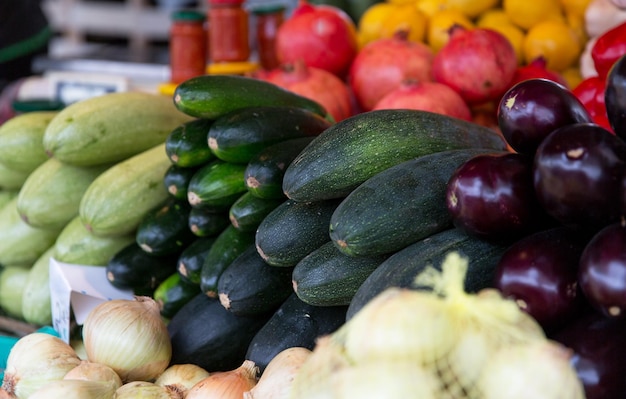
533,108
577,175
602,272
491,196
615,97
599,350
540,272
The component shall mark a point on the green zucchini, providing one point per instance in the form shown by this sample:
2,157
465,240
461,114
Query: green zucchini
21,140
13,280
76,244
249,211
228,245
355,149
117,200
207,222
249,286
165,229
11,179
176,180
293,230
111,128
265,171
211,96
401,268
203,333
186,145
328,277
192,258
216,185
133,268
294,323
36,299
173,293
398,206
241,134
51,195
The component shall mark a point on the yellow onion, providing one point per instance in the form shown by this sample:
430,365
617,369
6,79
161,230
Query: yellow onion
35,360
75,389
226,384
181,377
130,337
145,390
90,371
276,380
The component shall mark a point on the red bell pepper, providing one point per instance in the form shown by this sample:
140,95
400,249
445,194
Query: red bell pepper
609,46
591,93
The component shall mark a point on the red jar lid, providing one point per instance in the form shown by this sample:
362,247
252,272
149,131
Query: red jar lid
226,2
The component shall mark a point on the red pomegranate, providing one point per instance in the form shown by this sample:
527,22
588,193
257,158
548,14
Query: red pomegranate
536,68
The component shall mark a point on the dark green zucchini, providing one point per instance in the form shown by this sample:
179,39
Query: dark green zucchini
249,286
398,206
401,268
228,245
355,149
176,180
249,211
328,277
165,230
294,323
173,293
135,269
216,185
186,145
293,230
211,96
192,258
265,171
203,333
241,134
207,222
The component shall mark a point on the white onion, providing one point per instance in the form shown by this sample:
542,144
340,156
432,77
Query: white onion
75,389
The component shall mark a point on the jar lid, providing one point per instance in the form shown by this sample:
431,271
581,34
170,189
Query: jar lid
268,9
37,105
226,2
188,15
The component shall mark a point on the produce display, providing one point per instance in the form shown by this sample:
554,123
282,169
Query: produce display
465,239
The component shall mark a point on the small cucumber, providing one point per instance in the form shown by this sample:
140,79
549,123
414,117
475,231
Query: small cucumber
165,229
211,96
133,268
293,230
21,140
76,244
248,211
328,277
249,286
173,293
265,171
398,206
111,128
240,135
216,185
207,222
11,179
36,300
13,280
186,145
192,259
355,149
176,180
51,195
118,199
401,268
228,245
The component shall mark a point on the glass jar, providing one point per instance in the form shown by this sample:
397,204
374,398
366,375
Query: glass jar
268,20
188,43
228,31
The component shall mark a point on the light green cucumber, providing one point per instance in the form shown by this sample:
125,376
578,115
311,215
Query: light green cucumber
117,200
111,127
11,179
6,196
21,243
79,246
36,305
21,140
12,282
50,197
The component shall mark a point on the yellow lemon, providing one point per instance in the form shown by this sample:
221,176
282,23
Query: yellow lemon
572,76
515,36
576,7
430,7
555,41
577,23
372,20
493,17
407,18
401,2
439,26
526,14
472,8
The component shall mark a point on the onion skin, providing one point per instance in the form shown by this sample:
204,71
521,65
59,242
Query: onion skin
226,384
276,380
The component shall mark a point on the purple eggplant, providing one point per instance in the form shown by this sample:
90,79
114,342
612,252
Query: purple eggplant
540,272
615,97
578,173
533,108
602,271
491,196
